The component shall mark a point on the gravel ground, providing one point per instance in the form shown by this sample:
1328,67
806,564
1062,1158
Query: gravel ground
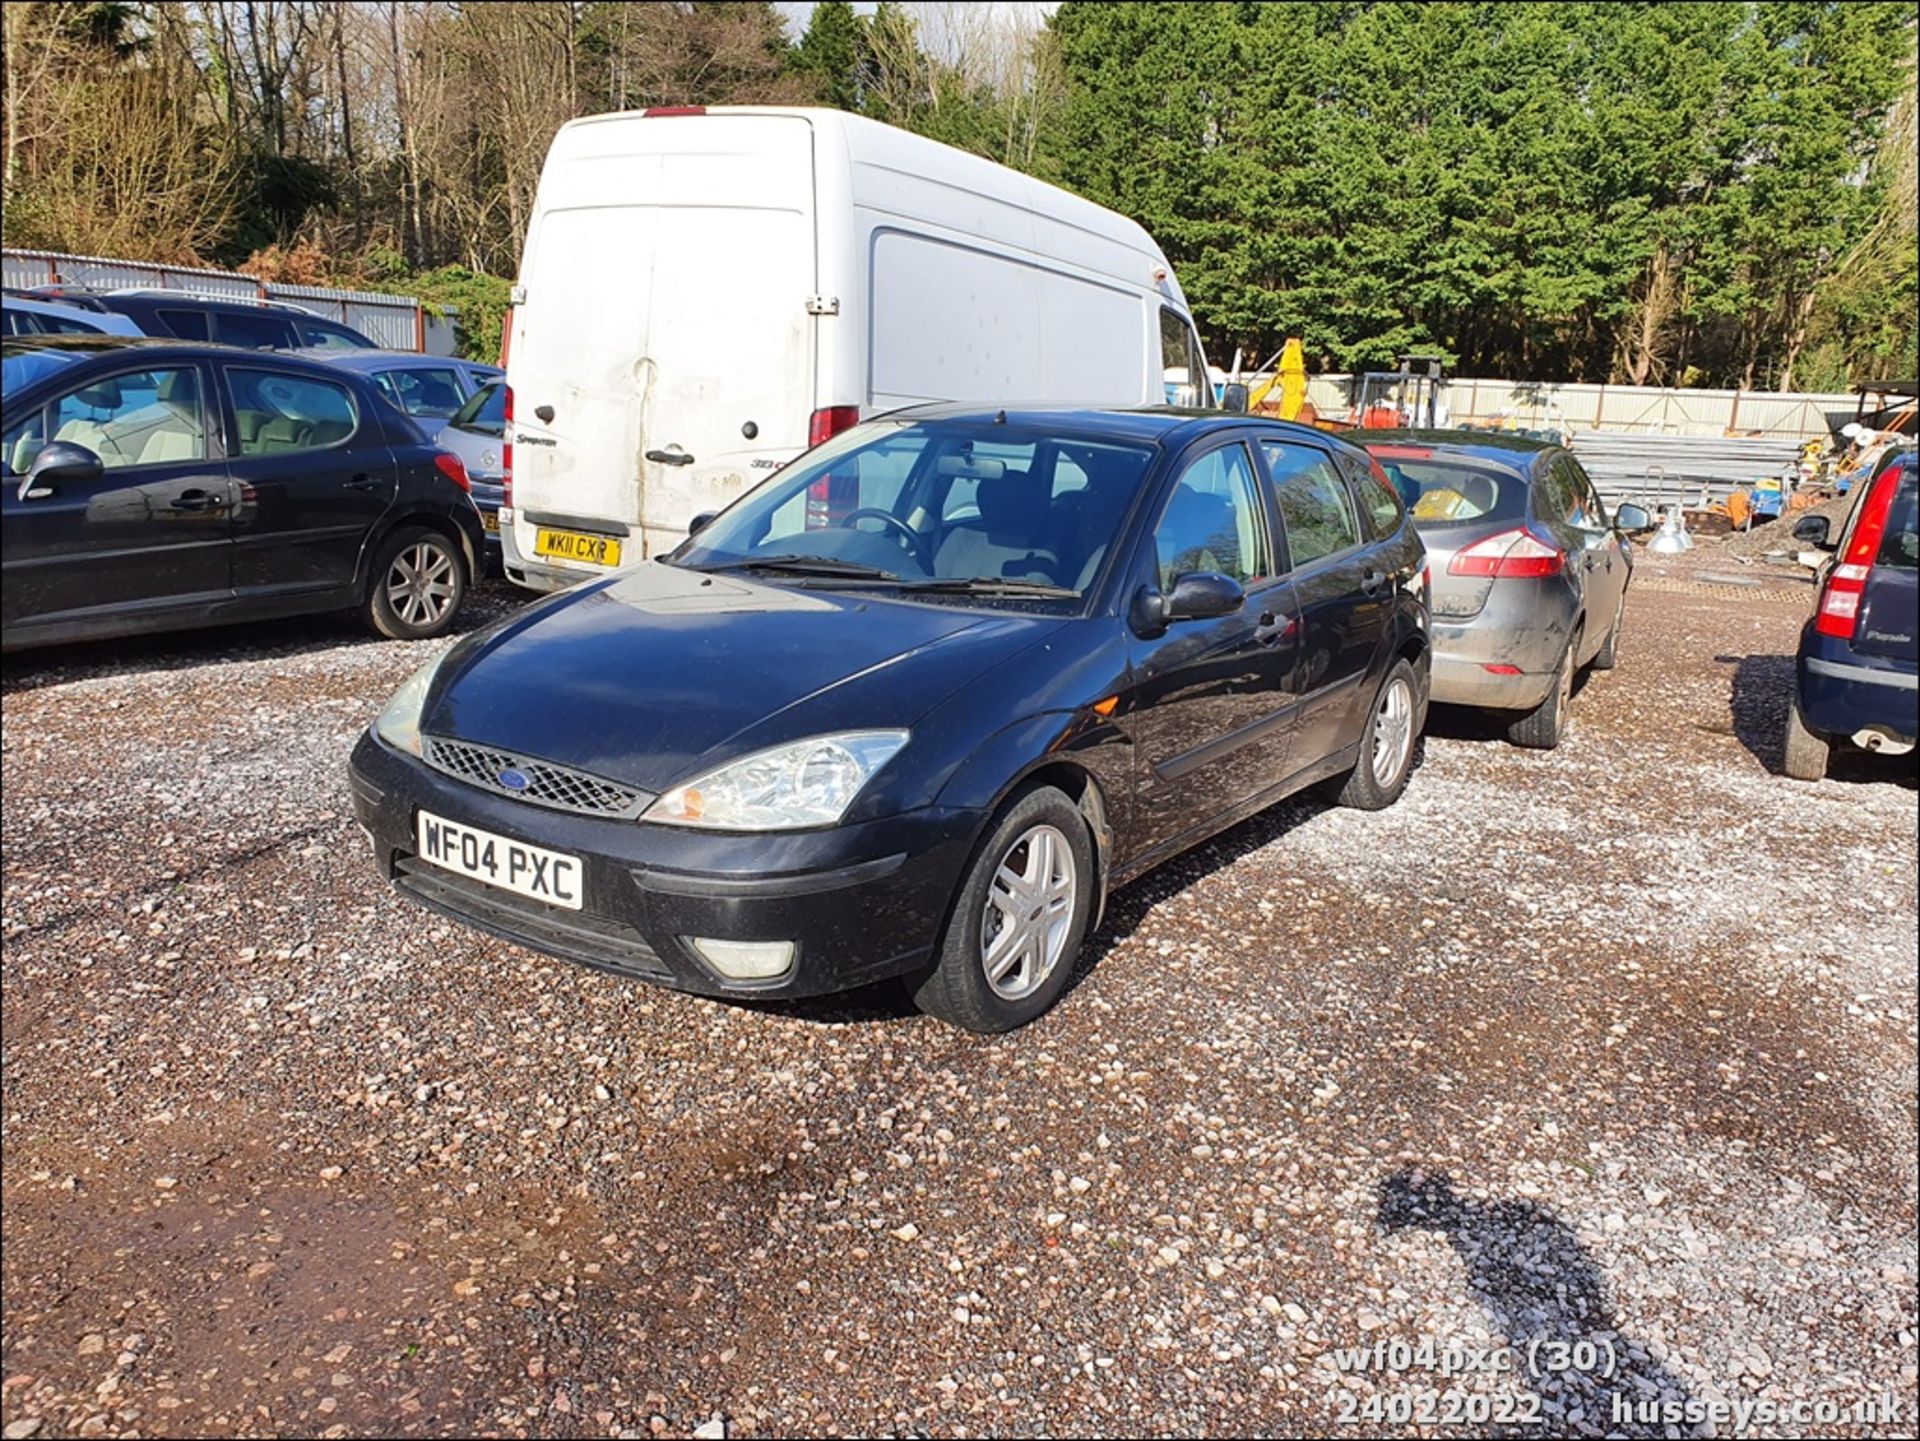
1612,1048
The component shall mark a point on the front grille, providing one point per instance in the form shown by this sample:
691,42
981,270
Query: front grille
547,784
576,935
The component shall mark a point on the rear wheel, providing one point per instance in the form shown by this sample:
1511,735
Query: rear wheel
1807,752
1608,655
1019,920
1543,727
419,579
1386,746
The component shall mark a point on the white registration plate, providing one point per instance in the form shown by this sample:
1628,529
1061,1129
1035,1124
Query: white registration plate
537,874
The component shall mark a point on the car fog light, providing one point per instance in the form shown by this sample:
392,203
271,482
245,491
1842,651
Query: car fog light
745,960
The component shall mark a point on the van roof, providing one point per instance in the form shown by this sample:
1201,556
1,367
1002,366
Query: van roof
887,147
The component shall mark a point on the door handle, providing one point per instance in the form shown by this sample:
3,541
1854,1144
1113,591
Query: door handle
196,500
1370,581
1272,628
362,481
670,457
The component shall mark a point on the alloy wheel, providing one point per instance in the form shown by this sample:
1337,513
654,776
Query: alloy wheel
1029,912
1392,732
420,585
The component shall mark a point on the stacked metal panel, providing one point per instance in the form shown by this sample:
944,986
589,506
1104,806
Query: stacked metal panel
1685,468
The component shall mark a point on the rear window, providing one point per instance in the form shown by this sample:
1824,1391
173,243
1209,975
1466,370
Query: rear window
485,410
1900,546
1446,491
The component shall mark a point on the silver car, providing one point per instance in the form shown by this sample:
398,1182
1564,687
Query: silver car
477,433
1529,572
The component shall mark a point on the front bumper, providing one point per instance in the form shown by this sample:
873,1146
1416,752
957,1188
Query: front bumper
860,902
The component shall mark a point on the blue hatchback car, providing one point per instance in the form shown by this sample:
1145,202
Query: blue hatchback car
1857,679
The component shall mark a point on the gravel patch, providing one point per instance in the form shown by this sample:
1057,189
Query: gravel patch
1612,1047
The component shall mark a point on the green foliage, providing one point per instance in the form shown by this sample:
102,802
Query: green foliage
480,300
1566,190
832,54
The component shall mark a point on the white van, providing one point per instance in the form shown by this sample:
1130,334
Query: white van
706,293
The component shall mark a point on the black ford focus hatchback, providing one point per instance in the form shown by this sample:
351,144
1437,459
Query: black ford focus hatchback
915,705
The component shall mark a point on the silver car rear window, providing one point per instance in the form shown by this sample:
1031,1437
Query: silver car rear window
1451,491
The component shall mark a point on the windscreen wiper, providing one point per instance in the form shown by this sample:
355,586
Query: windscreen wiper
990,585
821,565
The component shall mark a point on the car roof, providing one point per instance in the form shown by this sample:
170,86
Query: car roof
1166,425
389,359
106,322
156,348
1513,452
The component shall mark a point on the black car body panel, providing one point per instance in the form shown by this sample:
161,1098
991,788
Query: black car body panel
661,673
233,533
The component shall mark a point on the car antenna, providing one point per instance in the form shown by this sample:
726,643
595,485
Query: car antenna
1000,418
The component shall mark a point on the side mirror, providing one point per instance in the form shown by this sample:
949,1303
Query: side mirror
1632,517
1816,531
1234,398
1202,595
702,521
60,462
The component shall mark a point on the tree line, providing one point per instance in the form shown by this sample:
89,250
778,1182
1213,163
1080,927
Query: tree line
1714,193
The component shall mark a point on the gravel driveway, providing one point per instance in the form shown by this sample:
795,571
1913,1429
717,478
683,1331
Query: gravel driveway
1611,1048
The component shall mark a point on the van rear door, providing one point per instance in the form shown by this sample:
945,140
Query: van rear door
664,322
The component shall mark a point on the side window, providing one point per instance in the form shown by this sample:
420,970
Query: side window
1183,368
434,393
1214,521
185,324
1378,499
1315,505
319,335
1554,500
23,441
265,331
142,417
279,413
1589,512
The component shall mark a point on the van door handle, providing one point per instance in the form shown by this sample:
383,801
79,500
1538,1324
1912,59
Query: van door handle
669,457
363,481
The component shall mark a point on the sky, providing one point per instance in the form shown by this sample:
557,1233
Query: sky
797,11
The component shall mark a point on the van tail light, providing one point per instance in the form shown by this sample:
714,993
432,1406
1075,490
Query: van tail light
506,336
825,424
1839,612
1511,555
449,465
831,498
506,448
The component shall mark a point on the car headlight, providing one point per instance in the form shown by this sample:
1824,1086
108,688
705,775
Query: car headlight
398,723
806,783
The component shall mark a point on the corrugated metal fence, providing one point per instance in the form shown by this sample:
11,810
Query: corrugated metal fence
398,322
1637,409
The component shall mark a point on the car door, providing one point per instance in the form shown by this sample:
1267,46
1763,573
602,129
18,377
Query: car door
1344,590
1213,700
1568,505
152,532
315,476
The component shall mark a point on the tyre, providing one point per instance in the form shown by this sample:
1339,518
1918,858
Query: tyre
419,579
1608,656
1386,745
1542,728
1807,752
1018,922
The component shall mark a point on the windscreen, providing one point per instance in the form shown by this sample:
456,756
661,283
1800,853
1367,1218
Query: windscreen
1450,490
940,501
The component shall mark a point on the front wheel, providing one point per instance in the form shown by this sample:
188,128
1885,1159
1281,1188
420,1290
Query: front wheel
419,579
1017,924
1380,773
1807,752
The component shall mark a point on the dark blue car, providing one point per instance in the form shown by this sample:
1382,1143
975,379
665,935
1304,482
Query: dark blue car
915,705
1857,680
